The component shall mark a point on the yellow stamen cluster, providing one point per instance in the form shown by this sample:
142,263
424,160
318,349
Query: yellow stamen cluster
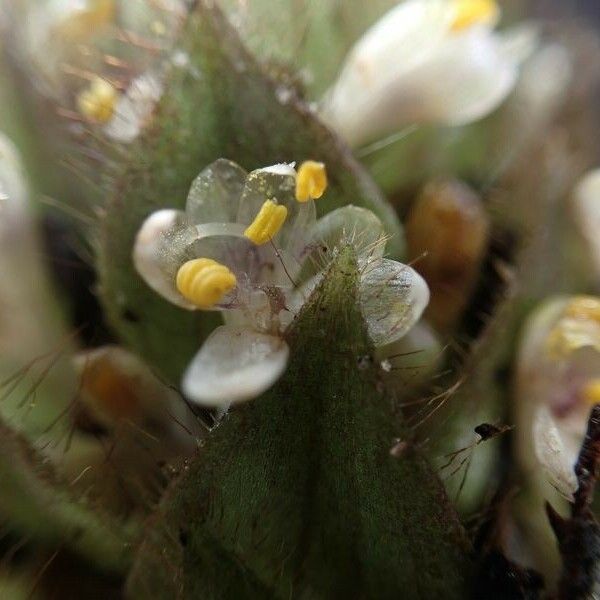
473,12
583,307
311,181
578,327
98,101
83,22
591,392
204,282
267,223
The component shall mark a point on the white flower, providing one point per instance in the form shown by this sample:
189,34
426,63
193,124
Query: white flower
425,61
586,208
558,382
250,246
134,108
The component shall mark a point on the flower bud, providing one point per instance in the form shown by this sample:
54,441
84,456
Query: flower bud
448,233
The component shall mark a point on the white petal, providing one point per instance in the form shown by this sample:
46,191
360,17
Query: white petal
586,206
13,189
215,194
554,454
159,251
134,108
234,365
452,78
467,79
401,41
279,183
166,241
393,297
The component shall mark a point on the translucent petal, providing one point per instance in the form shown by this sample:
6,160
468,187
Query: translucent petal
393,297
279,182
349,225
554,452
160,249
215,194
166,241
234,364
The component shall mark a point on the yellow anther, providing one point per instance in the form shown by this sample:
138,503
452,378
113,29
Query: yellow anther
204,282
267,224
591,392
474,12
98,101
584,308
85,21
311,181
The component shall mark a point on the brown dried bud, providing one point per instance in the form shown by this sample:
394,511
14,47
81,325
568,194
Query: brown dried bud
448,232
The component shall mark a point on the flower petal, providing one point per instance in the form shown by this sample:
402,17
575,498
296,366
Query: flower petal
134,108
393,297
402,40
466,81
279,183
160,249
553,451
234,364
215,194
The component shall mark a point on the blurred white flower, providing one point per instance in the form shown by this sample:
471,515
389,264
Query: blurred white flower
425,61
558,382
249,245
586,209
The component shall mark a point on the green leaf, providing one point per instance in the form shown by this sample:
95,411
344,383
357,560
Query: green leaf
298,492
34,504
222,105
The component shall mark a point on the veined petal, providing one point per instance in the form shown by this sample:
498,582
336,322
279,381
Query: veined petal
271,183
278,183
234,364
346,225
215,194
393,297
555,453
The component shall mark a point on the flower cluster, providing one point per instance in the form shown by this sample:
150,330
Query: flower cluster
251,247
103,60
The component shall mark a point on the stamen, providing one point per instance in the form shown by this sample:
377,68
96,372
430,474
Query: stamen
591,392
311,181
267,223
584,308
473,12
98,101
204,282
